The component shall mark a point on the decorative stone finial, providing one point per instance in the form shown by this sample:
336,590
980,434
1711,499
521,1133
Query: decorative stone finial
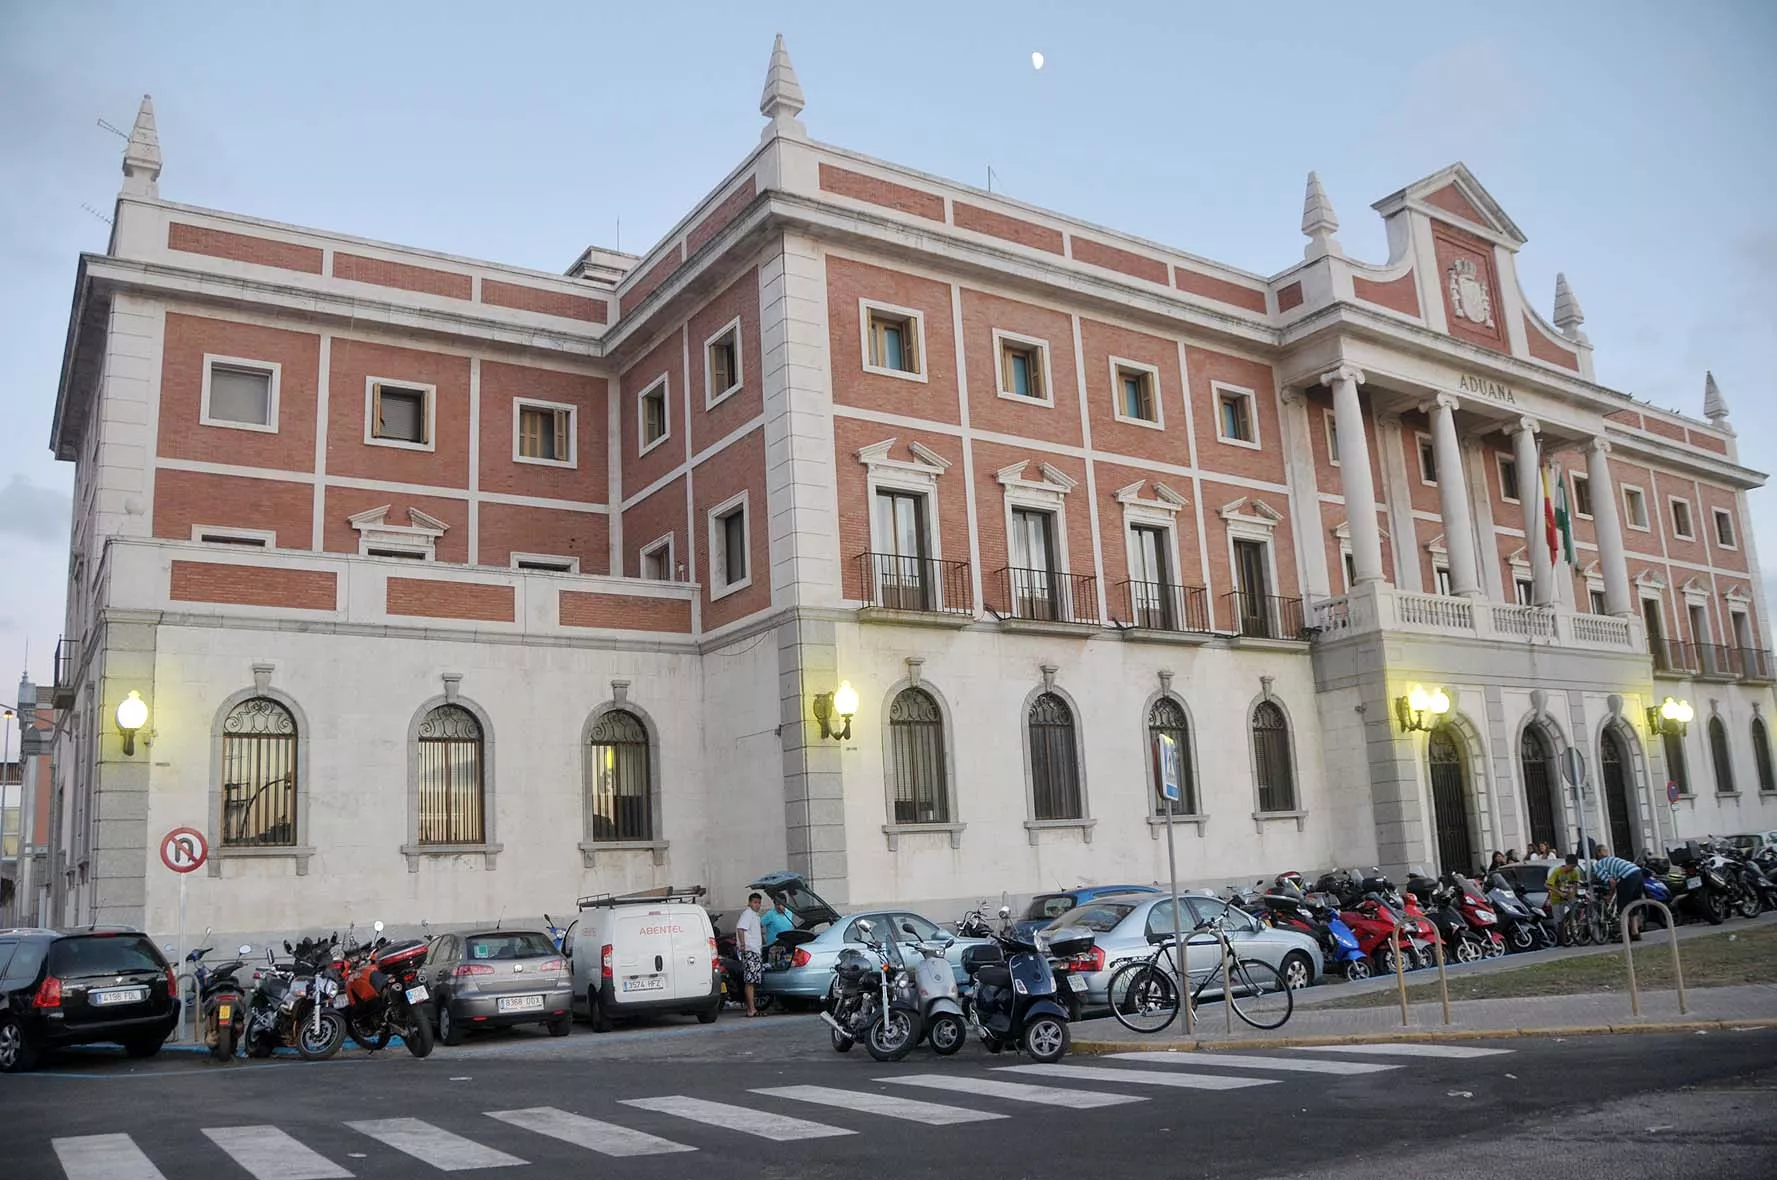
141,159
782,100
1319,222
1715,406
1568,316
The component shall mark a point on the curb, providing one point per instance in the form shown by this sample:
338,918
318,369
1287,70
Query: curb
1390,1036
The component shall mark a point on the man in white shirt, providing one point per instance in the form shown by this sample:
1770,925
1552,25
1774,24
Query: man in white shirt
750,946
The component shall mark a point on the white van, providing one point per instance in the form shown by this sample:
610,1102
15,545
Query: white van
647,952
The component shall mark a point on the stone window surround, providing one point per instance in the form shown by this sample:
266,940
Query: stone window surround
272,369
1121,365
714,521
1048,494
713,397
915,318
489,848
893,832
1037,344
372,385
520,405
299,853
1297,813
665,385
1033,826
591,849
1157,819
1220,389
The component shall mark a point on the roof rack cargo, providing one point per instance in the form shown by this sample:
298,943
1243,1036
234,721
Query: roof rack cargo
666,893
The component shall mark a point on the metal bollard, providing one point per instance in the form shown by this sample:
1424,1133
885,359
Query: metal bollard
1629,954
1400,973
1437,946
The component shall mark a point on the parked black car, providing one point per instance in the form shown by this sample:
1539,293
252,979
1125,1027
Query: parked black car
81,987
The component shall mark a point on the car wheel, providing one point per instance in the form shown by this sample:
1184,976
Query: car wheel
1297,971
1046,1039
601,1020
559,1026
708,1015
450,1030
17,1054
143,1047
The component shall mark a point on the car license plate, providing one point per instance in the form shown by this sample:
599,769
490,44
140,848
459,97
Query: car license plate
1077,982
521,1003
645,983
118,995
418,995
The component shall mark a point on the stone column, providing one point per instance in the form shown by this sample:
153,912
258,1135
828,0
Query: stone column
1530,495
1459,525
1355,478
1607,523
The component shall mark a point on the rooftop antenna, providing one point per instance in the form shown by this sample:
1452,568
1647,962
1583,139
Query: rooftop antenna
619,244
990,178
117,131
95,213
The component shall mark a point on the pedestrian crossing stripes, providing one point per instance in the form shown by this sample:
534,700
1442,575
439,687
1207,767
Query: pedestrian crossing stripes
434,1145
1407,1049
271,1154
266,1152
1248,1061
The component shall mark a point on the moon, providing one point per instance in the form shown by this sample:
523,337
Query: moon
1036,61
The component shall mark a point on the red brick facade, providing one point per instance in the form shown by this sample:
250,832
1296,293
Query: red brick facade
439,599
252,585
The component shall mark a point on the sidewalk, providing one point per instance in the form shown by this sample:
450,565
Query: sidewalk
1746,1005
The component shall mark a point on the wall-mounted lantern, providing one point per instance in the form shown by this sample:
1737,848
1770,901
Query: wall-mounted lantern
1421,708
841,704
1670,716
132,715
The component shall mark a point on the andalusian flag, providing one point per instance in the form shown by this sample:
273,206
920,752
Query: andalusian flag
1557,524
1564,518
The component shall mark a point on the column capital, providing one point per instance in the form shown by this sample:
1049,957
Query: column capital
1443,401
1291,395
1525,425
1600,445
1344,372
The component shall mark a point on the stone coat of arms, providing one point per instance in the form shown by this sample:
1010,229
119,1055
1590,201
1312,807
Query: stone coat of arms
1468,294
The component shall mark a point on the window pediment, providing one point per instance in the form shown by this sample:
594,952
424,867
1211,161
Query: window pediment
925,463
1251,514
419,535
1163,500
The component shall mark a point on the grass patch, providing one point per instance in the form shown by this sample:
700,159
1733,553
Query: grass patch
1717,960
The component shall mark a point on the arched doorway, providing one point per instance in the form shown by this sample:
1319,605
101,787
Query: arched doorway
1445,757
1536,763
1615,761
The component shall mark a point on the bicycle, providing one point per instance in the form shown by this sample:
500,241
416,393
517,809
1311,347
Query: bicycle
1144,993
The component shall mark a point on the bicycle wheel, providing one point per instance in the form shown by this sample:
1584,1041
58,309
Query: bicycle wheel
1259,994
1144,997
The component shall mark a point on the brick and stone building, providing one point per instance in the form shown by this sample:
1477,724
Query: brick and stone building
456,588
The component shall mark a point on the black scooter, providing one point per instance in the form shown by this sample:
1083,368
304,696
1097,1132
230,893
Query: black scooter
1015,1004
221,1001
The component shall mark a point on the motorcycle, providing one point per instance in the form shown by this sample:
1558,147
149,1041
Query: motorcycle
1478,912
220,999
1286,907
1461,943
387,996
1013,1004
294,1005
940,1006
974,923
1746,885
873,998
1518,924
1698,887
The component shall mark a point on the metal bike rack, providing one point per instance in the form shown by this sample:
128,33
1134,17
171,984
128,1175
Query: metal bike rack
1400,976
1437,945
1629,953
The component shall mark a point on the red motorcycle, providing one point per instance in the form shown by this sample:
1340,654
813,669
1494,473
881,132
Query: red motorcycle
385,994
1477,910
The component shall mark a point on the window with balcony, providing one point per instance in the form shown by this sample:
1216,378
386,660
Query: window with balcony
1524,591
892,338
1036,592
1150,579
1724,528
903,567
1440,580
1596,597
1024,368
1252,587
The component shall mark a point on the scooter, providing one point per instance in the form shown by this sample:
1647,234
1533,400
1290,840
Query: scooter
1014,1004
1519,927
221,997
940,1007
1478,912
1461,943
1287,908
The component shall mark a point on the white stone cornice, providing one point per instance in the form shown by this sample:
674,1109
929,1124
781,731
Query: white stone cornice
1058,478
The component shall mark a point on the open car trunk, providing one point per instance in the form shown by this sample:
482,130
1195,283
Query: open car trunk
810,908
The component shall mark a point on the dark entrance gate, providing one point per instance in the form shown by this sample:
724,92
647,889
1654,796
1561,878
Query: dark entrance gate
1449,798
1616,795
1536,759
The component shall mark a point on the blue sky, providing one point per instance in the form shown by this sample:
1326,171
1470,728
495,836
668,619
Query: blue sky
1632,142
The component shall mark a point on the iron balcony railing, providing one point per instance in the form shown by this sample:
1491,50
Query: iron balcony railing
1047,596
1160,606
1672,656
66,667
1717,661
1755,664
927,584
1266,616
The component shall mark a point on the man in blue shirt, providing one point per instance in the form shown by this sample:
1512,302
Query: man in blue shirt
775,921
1627,877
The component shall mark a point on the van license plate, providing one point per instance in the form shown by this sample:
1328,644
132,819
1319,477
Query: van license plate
521,1004
118,995
418,995
1077,982
645,983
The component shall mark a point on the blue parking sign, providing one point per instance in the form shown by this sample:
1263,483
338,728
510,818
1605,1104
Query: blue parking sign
1170,776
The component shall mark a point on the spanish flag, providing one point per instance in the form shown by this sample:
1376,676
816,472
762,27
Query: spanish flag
1550,528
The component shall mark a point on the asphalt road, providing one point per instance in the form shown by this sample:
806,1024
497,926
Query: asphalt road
768,1098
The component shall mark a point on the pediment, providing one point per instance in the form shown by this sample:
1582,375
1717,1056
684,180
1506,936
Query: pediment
1454,195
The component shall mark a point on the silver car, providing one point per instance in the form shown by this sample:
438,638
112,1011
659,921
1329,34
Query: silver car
1121,926
810,969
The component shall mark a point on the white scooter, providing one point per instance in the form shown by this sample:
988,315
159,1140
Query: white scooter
940,1001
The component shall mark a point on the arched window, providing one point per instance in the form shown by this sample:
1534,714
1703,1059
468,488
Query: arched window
1272,765
1761,754
1167,719
1718,753
1054,760
259,775
1536,763
916,759
619,780
451,794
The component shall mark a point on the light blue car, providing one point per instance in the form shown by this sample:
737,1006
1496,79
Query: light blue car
810,972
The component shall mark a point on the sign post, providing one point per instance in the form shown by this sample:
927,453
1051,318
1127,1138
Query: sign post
1573,769
1171,777
184,851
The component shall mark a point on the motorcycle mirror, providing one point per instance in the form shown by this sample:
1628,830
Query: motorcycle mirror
1005,911
865,926
246,948
907,928
377,926
288,949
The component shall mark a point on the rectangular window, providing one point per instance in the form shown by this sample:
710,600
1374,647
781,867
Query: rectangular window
1440,576
1035,592
657,560
545,434
1525,590
402,554
730,566
1252,581
1332,437
1597,598
246,538
903,575
1022,369
1582,495
722,365
893,341
1742,626
1724,528
1235,421
1635,508
1428,462
1699,620
1681,518
652,415
401,414
240,394
1150,581
1136,401
545,564
1508,479
1350,563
